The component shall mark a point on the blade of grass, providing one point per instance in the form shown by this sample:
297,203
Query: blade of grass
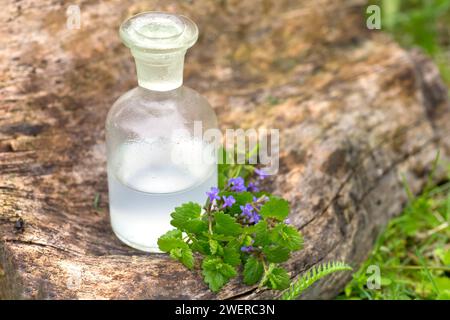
427,272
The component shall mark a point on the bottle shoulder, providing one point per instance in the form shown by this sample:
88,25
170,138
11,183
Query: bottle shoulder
176,108
138,97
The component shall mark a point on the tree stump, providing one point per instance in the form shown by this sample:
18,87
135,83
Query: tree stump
357,113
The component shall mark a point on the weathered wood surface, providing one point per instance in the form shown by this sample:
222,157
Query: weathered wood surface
356,112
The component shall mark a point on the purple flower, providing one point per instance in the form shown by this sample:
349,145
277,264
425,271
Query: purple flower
249,214
247,210
228,201
253,187
261,174
246,248
256,218
213,194
287,221
256,203
237,184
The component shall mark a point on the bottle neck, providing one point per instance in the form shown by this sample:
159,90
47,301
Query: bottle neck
160,72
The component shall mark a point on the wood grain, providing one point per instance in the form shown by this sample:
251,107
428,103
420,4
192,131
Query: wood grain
357,113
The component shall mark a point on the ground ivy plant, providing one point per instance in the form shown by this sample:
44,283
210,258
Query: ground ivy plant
240,228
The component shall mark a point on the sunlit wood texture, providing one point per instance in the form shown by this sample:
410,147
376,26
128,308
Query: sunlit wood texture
357,114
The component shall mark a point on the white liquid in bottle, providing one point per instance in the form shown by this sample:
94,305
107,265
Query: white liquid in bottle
148,187
155,161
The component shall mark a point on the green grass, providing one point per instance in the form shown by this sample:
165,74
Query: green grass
413,253
420,23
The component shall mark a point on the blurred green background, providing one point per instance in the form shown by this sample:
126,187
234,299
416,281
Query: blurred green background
420,23
413,253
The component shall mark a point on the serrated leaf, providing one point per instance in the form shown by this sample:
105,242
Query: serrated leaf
286,236
195,226
201,246
213,246
214,279
253,271
216,273
276,207
276,254
171,240
166,245
261,233
175,253
186,212
226,224
221,237
187,218
175,233
231,253
277,278
184,255
187,258
228,270
247,241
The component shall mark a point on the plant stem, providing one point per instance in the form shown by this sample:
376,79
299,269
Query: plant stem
208,209
210,222
267,270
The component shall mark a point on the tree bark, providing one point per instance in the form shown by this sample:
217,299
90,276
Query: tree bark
357,115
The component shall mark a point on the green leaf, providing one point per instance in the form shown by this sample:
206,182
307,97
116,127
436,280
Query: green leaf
276,207
228,270
171,240
286,236
185,213
216,273
276,254
221,237
187,258
201,246
261,233
277,278
253,271
311,276
172,234
173,243
226,224
184,255
232,254
176,253
213,246
168,244
247,241
187,218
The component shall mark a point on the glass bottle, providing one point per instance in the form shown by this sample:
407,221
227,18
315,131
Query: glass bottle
150,133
